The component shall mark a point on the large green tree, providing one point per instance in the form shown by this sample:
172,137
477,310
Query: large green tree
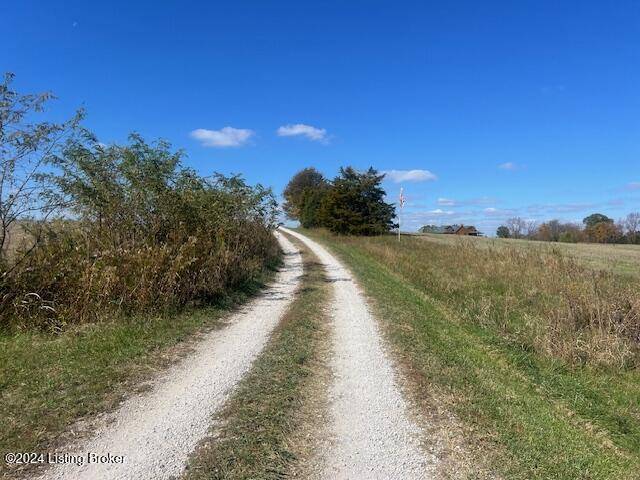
354,205
311,202
306,180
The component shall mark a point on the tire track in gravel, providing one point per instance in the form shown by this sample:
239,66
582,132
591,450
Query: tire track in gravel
156,431
371,433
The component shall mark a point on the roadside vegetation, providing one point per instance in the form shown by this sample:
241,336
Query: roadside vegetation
536,354
267,411
50,382
107,230
110,256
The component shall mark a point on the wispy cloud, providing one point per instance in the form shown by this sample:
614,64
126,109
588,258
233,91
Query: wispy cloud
439,211
508,166
446,202
399,176
560,208
225,137
300,129
449,202
633,186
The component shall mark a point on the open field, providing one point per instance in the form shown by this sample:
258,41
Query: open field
544,398
617,258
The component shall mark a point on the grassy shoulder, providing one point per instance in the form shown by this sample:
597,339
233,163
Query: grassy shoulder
49,382
539,416
260,420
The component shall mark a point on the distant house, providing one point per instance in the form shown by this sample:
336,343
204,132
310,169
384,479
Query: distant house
469,230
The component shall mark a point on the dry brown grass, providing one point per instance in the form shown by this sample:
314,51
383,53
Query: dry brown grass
543,299
70,278
472,327
615,258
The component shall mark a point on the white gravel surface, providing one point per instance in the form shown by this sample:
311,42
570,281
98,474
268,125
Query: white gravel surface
155,432
372,435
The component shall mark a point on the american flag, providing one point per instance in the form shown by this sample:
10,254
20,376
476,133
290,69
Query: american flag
401,198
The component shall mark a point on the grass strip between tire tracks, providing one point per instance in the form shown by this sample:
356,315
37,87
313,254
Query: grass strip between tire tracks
263,415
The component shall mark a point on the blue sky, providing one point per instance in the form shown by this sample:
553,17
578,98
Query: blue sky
503,108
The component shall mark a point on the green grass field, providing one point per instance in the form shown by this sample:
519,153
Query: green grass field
536,413
623,259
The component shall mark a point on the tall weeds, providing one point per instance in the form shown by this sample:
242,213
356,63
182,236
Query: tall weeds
140,233
540,300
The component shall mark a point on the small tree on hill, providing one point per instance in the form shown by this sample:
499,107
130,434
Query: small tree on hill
632,227
517,226
430,229
596,218
354,205
502,232
600,228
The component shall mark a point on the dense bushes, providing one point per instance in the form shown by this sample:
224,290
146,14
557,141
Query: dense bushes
352,204
142,233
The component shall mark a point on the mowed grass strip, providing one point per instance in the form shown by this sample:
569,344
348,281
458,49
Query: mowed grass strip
48,382
261,419
539,417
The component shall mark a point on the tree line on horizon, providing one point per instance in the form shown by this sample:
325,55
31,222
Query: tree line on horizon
350,204
595,228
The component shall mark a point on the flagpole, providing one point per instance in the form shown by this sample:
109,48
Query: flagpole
401,202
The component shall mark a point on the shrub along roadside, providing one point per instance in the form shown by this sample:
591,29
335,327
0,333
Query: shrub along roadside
540,417
142,234
49,382
264,413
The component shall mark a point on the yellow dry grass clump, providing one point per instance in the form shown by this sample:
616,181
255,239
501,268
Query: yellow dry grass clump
543,299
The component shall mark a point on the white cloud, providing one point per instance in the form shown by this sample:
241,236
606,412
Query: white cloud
225,137
499,212
312,133
399,176
634,186
439,211
446,202
449,202
508,166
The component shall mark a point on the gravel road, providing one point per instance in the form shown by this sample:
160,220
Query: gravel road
155,432
372,435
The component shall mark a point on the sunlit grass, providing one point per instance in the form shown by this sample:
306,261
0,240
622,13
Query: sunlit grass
471,325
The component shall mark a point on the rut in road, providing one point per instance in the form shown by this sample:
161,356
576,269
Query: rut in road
156,432
372,435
